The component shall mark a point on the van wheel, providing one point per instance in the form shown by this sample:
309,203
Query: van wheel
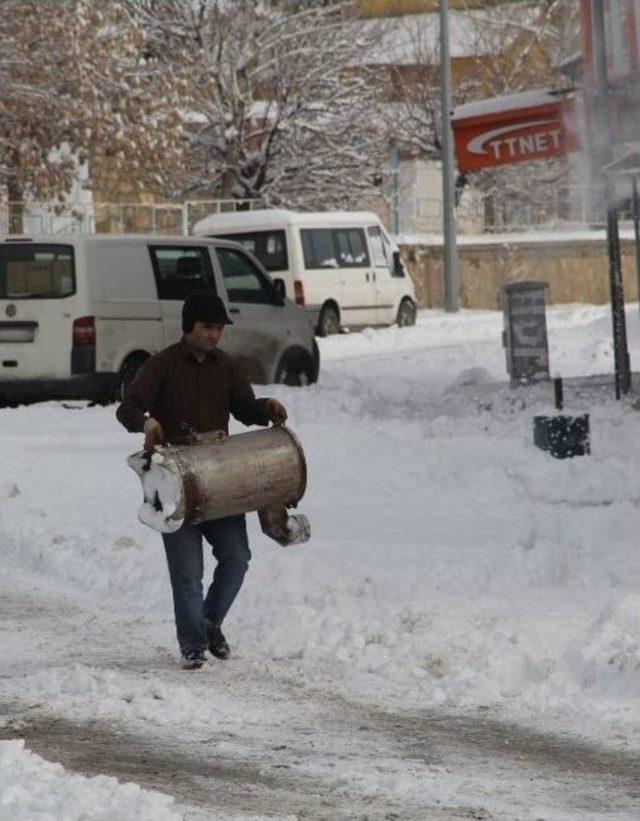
329,322
297,368
127,374
406,314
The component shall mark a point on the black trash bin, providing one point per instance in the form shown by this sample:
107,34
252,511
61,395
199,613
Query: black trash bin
562,436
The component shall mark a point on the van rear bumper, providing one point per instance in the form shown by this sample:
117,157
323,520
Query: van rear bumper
83,386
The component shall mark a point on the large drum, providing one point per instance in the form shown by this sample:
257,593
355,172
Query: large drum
220,475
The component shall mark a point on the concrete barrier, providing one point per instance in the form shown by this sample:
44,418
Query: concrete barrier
574,264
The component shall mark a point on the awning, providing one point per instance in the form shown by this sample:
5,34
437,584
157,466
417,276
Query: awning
516,128
627,165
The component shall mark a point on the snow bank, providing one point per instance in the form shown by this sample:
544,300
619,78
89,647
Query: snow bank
452,562
32,788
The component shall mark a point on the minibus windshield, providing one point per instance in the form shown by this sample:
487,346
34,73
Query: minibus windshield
35,271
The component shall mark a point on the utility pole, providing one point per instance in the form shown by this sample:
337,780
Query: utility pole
450,256
394,169
604,154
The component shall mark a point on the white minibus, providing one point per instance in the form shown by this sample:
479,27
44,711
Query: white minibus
340,265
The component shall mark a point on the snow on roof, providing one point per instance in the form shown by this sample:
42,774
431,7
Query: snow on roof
401,37
509,102
407,39
68,239
270,217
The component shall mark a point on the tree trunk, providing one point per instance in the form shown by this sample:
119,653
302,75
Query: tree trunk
226,188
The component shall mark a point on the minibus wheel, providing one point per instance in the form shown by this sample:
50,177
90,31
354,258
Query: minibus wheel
329,322
406,313
296,368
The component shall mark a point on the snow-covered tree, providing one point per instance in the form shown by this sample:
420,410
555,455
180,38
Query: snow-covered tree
281,107
510,48
75,85
533,44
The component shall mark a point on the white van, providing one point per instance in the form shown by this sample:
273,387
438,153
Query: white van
340,265
80,314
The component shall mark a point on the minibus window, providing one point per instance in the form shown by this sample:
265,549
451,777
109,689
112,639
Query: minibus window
36,271
270,247
318,248
181,270
378,249
352,248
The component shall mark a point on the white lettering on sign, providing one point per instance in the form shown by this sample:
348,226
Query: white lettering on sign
517,146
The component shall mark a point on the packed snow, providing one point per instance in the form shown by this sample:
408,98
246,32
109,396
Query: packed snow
560,236
32,788
452,564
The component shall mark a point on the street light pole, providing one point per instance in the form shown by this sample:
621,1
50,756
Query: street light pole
604,155
394,168
451,275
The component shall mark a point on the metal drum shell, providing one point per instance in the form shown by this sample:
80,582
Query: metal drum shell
248,471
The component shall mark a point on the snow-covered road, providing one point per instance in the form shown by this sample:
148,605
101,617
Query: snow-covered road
459,639
250,738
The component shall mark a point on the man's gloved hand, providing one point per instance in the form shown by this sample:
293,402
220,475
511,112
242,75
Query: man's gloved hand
276,411
153,434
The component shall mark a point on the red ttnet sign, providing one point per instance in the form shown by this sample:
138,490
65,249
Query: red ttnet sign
514,129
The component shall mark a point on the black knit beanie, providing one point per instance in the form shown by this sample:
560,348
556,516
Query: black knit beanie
203,307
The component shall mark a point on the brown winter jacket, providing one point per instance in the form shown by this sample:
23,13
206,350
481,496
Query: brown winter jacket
185,395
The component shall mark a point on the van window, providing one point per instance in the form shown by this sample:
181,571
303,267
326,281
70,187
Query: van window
270,247
181,270
244,282
318,248
334,248
352,248
36,271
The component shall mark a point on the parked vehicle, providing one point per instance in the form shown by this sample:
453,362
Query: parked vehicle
340,265
80,314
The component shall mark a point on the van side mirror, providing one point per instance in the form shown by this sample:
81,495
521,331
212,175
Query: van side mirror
398,267
279,291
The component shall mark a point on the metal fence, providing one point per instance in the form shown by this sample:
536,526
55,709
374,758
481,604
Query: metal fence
478,213
569,207
113,218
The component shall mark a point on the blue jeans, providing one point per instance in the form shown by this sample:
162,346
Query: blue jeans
228,538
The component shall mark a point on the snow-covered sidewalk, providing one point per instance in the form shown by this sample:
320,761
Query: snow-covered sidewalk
31,787
455,574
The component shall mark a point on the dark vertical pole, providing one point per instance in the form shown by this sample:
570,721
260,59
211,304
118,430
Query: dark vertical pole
621,354
450,249
636,228
604,155
558,393
394,169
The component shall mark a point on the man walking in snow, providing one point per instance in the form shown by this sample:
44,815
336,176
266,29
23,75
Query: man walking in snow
195,386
